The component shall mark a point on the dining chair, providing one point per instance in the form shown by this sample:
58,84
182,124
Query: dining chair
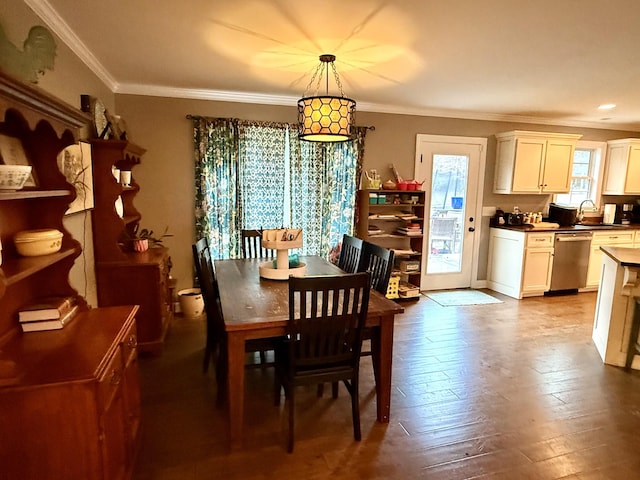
378,261
350,253
215,343
214,321
252,245
324,337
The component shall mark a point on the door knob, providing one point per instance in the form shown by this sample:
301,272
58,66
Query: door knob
472,229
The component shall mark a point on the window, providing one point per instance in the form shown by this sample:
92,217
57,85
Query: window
588,161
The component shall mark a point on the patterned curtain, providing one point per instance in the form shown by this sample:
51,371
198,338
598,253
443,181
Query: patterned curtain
216,182
324,182
262,159
242,181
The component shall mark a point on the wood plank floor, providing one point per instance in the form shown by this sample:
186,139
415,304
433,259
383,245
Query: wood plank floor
504,391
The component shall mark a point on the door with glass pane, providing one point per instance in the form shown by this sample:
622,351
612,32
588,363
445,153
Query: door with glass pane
450,167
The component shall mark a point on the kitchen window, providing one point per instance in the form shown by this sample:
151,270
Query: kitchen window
586,175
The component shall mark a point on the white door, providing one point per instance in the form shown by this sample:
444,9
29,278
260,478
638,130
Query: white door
453,171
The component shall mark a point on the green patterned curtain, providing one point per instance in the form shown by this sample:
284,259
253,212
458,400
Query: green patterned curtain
260,175
324,182
216,182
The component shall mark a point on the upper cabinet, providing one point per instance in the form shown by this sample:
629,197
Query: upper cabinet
622,169
42,126
534,162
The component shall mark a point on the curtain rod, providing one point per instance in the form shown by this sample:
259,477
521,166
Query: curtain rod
196,117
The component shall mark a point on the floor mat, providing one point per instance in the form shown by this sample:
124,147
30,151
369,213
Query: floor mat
455,298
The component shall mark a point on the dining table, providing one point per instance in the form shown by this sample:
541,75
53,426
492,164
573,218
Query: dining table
255,307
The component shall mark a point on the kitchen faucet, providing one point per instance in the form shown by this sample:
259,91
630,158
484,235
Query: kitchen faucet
581,208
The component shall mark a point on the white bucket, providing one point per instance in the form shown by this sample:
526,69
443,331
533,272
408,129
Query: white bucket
191,302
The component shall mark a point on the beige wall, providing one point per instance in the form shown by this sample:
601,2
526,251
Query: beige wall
166,173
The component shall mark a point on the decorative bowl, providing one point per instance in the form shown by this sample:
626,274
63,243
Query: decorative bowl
13,177
33,243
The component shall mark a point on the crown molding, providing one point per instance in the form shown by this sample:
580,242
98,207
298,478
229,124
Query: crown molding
288,101
45,11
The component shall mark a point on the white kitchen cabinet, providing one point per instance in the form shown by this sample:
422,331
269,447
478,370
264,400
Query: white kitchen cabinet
534,162
622,168
519,262
612,237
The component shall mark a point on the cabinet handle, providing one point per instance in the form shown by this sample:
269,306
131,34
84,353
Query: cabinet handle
132,342
116,378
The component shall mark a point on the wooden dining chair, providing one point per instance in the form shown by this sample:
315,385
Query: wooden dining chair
252,245
350,253
209,289
324,337
378,261
215,343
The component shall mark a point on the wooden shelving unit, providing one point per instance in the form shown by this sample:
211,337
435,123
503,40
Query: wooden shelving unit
125,277
63,412
379,223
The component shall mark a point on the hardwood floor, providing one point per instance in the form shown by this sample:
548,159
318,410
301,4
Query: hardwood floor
504,391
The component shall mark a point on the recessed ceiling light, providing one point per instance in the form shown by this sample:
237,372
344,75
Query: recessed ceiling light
607,106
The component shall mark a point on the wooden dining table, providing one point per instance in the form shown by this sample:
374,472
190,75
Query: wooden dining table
254,307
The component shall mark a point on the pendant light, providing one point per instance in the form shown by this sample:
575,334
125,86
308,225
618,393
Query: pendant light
326,118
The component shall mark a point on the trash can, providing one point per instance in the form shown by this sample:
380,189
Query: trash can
191,302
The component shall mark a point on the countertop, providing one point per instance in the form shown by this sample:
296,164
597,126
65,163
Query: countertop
574,228
625,256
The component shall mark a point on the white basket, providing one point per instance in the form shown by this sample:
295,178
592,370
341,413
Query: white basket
13,177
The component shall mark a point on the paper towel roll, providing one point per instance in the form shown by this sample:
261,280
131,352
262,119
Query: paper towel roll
609,215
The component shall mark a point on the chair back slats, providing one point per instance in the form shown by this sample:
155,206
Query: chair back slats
378,261
350,252
326,318
252,245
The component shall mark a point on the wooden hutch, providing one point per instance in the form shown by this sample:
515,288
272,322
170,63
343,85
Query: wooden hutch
124,276
70,398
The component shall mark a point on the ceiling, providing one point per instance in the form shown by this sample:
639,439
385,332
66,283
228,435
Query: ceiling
540,61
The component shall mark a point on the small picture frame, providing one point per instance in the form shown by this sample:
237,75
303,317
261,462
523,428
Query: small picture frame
75,163
12,153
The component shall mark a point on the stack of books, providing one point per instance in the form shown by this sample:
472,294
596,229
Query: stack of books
49,313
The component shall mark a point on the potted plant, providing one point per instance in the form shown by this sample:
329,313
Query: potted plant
143,238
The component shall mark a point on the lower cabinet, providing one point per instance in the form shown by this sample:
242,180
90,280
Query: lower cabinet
600,239
73,410
519,263
141,279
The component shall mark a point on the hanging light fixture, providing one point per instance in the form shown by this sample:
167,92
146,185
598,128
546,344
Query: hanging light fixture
326,118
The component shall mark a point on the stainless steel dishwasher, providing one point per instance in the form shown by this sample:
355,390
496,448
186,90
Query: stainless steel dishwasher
570,261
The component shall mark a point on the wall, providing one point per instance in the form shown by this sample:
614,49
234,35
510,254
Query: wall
68,80
166,173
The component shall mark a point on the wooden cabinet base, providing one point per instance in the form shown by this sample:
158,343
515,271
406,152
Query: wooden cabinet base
141,279
74,408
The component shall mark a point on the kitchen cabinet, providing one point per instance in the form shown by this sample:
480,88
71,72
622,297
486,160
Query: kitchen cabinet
622,168
379,223
534,162
519,263
615,305
614,237
123,276
74,409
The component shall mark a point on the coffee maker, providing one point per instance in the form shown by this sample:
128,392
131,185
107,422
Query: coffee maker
626,216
